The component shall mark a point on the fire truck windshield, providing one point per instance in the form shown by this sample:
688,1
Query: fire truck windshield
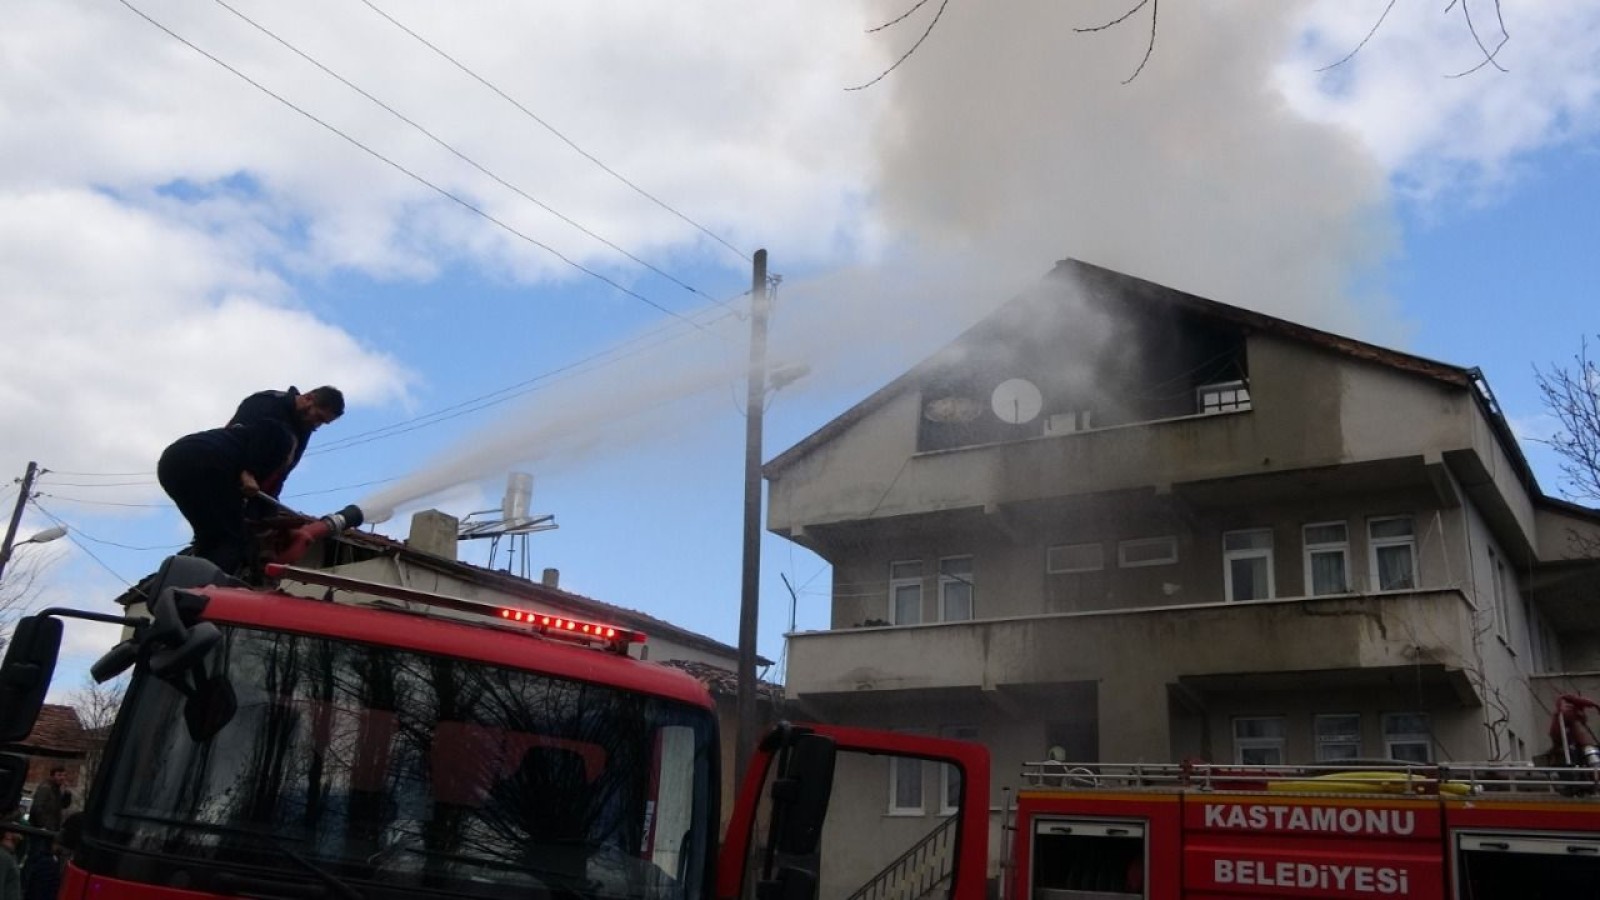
393,773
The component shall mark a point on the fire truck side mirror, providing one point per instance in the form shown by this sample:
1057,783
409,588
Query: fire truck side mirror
25,675
13,775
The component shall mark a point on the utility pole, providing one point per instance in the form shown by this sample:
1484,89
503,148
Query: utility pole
749,595
16,514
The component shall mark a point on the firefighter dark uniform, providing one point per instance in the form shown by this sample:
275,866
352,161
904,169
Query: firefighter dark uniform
276,406
201,473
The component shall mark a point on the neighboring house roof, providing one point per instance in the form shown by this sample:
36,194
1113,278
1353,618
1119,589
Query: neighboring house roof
515,586
1148,294
58,732
724,682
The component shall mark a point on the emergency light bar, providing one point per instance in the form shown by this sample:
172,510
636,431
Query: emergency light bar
561,626
558,627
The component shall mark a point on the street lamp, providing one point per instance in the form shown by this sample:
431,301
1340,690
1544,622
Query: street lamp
42,537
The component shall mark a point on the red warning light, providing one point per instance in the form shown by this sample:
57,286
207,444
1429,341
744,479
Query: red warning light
561,625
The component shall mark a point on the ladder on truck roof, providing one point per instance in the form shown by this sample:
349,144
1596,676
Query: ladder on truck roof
560,627
1376,778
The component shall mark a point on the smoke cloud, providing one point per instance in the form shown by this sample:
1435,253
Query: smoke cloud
1008,142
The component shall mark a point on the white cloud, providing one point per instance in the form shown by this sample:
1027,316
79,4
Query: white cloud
1440,134
134,328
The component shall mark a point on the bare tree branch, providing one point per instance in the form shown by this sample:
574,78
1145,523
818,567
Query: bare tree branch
1114,22
1149,47
1352,54
898,19
1488,55
907,54
1572,396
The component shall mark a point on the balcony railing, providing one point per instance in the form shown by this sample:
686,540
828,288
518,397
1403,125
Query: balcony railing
1152,644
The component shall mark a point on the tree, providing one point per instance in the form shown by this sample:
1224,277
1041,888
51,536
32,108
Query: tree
18,591
97,706
1571,394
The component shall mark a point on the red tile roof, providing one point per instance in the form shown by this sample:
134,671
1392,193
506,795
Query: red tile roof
58,732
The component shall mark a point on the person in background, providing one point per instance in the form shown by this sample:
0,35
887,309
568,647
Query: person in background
209,474
301,413
10,870
50,798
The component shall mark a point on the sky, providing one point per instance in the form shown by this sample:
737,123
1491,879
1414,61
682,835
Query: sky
518,236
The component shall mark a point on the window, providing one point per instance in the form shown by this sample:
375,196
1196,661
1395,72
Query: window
1065,558
1327,558
1393,545
1258,741
955,589
1224,396
905,786
1407,737
1338,737
1502,609
1161,551
1247,564
949,775
905,593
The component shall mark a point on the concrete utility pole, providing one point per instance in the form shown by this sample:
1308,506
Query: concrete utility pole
16,514
749,595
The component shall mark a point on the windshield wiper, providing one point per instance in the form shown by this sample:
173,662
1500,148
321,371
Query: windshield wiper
334,884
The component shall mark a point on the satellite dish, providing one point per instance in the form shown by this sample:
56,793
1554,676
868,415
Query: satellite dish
1017,401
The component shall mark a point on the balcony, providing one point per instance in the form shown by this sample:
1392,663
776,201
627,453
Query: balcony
1138,652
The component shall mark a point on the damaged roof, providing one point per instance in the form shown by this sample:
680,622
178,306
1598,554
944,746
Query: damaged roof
1149,295
724,682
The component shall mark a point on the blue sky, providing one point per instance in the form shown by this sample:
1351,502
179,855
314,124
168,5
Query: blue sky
173,239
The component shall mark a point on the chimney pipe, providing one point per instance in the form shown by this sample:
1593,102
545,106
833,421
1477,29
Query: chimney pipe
551,578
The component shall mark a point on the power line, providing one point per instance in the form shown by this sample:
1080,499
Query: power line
501,395
74,529
457,153
101,484
610,355
79,544
552,129
463,203
87,502
342,487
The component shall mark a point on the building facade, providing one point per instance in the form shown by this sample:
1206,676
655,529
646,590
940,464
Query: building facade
1118,522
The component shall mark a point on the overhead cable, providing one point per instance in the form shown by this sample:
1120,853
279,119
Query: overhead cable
443,192
457,153
553,130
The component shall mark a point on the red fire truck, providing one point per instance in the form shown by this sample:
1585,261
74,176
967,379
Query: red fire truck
1203,832
378,743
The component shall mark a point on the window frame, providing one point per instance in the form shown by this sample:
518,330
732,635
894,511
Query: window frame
1374,544
1309,549
1230,556
1100,564
945,581
918,581
896,808
1279,743
1319,741
967,733
1502,607
1239,401
1170,541
1391,739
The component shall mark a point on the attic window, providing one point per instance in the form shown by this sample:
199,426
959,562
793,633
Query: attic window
1223,396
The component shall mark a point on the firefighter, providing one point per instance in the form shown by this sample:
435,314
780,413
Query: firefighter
301,413
210,474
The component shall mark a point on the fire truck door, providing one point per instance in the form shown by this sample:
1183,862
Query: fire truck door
1528,867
